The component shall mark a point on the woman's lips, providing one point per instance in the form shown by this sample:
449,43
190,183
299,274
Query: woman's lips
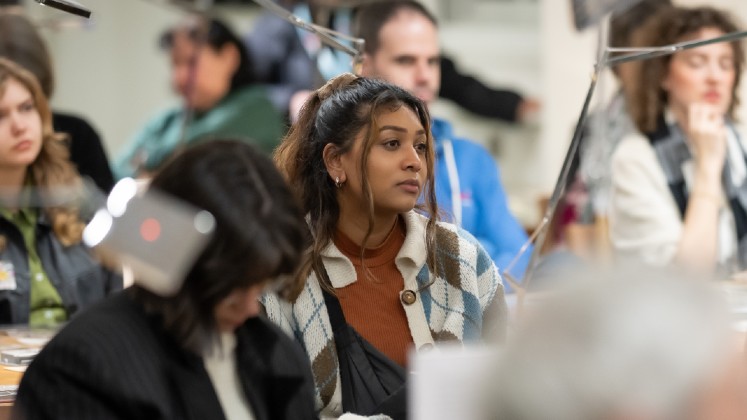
23,145
712,97
411,186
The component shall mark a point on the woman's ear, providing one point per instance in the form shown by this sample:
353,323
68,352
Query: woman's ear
230,53
363,66
665,84
331,156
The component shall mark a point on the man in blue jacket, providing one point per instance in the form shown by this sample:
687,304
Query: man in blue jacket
402,48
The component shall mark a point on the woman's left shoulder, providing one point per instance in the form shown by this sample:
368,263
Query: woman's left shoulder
459,233
448,235
274,343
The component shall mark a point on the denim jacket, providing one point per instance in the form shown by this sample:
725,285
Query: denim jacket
78,277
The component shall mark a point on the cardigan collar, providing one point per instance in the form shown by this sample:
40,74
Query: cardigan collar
410,258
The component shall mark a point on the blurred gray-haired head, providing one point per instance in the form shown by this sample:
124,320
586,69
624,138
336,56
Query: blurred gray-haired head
623,343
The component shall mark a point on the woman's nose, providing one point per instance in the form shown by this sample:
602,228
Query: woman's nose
246,302
17,123
180,78
413,160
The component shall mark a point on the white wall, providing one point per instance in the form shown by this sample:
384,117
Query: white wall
112,71
499,42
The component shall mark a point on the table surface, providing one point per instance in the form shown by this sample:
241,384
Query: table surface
17,337
8,377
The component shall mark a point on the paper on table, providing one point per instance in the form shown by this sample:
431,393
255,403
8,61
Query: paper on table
447,382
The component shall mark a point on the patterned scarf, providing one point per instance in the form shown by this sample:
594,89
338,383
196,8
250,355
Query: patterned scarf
672,151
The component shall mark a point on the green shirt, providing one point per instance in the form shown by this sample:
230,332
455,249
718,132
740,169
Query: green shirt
45,302
246,114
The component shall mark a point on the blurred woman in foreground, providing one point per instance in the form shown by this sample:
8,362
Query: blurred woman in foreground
202,353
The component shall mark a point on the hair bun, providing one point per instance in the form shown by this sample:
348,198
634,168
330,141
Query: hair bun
336,83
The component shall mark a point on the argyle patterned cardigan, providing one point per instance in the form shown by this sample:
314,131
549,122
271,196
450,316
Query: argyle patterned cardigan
449,309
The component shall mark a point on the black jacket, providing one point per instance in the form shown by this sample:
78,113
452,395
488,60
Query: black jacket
116,362
86,149
474,96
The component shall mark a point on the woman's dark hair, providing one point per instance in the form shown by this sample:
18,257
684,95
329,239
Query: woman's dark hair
216,34
624,23
259,237
646,97
20,42
336,114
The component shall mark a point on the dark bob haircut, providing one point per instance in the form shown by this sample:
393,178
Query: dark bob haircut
259,237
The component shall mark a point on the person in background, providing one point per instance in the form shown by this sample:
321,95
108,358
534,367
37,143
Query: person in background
293,61
679,182
22,43
214,76
46,273
203,353
380,278
402,48
622,343
580,225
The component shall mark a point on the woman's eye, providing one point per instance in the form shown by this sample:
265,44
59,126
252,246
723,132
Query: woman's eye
421,148
695,60
726,63
391,144
27,107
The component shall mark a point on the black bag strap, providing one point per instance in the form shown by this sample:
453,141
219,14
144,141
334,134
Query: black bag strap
370,363
336,317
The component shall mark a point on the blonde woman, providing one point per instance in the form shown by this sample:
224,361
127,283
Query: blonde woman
46,274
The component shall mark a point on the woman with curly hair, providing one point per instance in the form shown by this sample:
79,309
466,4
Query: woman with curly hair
46,274
680,184
380,278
